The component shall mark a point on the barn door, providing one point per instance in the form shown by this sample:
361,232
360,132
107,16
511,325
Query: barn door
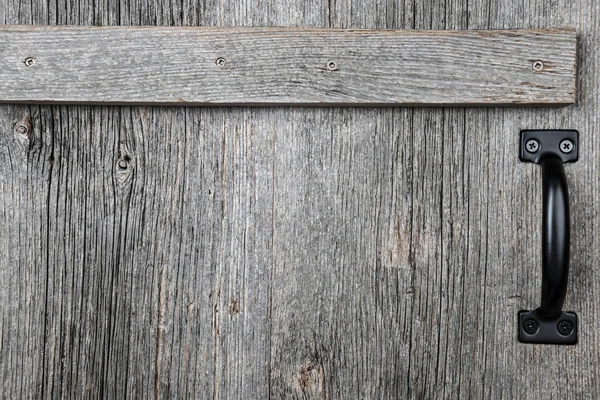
281,252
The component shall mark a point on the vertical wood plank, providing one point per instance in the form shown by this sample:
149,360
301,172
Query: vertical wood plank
24,269
341,322
524,363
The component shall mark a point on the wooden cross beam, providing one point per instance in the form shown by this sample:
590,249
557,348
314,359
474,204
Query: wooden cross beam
286,66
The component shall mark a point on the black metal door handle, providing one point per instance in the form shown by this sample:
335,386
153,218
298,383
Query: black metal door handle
548,323
556,236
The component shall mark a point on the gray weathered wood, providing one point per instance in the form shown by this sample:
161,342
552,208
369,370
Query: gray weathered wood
290,253
267,66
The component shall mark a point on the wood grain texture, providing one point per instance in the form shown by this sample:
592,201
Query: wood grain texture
268,66
291,253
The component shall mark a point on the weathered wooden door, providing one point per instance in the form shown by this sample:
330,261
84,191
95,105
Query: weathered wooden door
252,253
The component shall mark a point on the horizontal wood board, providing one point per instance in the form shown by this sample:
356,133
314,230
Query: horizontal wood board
285,66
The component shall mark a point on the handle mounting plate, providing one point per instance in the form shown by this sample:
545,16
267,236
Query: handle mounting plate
539,144
534,327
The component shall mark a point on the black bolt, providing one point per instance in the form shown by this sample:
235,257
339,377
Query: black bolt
565,328
530,326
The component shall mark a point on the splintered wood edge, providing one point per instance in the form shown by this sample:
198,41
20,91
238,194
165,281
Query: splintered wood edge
286,66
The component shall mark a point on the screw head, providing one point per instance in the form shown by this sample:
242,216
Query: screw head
332,65
532,146
566,146
29,61
537,66
530,326
565,328
220,62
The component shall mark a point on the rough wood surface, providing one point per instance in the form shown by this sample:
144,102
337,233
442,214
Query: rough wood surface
298,66
290,253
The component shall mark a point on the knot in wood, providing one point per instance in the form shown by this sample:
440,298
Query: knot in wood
124,171
24,129
311,378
